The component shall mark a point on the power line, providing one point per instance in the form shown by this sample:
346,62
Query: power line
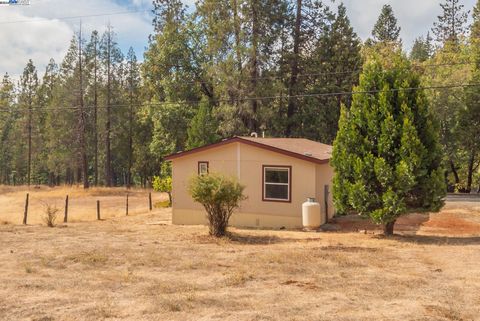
330,73
72,17
345,93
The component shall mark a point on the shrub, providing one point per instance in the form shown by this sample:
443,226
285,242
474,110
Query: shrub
163,183
220,196
50,215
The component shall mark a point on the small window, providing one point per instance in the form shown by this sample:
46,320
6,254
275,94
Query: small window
202,168
277,183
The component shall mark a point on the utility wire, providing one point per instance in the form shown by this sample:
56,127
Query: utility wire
345,93
328,73
72,17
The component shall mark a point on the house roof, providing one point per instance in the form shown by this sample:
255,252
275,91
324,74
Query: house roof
301,148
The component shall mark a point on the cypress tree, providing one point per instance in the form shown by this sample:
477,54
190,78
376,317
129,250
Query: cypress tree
387,158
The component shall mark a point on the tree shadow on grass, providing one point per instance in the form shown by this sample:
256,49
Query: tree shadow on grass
434,240
257,239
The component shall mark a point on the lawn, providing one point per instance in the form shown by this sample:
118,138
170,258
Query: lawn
141,267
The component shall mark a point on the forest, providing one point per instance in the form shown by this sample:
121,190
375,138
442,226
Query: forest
281,68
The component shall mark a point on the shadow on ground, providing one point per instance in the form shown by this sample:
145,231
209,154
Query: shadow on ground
436,240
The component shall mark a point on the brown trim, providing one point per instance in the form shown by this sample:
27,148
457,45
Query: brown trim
289,167
251,143
203,162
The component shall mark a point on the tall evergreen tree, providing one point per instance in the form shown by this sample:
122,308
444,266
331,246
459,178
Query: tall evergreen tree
92,66
451,23
8,119
422,49
133,90
27,100
203,128
386,156
337,59
470,116
112,58
386,29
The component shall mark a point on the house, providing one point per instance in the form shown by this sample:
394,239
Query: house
279,174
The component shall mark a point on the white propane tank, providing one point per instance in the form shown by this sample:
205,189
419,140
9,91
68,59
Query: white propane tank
311,216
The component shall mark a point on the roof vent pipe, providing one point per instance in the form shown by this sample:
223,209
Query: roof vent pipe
254,135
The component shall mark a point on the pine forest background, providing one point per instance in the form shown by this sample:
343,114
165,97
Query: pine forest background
279,67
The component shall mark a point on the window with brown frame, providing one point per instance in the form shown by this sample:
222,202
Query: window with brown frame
277,183
202,168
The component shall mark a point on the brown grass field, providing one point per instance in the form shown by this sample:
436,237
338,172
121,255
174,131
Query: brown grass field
141,267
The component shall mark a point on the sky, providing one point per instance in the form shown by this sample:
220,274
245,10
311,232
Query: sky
35,32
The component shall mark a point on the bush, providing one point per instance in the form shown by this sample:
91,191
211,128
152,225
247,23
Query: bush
50,215
164,185
220,195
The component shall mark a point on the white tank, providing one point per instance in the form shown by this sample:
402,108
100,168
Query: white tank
311,216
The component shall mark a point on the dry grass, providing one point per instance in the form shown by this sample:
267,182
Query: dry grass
127,269
82,204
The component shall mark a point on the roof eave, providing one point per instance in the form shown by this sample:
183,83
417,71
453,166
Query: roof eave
248,142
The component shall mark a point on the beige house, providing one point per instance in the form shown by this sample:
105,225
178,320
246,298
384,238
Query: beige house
279,174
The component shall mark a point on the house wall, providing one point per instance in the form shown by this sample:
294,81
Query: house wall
246,162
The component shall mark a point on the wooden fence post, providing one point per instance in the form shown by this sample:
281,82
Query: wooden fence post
98,210
25,213
126,206
65,217
150,200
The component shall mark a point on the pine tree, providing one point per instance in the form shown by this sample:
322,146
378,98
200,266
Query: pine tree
27,99
387,157
470,116
92,66
203,128
337,59
82,113
111,58
133,88
422,49
386,29
451,23
46,93
8,119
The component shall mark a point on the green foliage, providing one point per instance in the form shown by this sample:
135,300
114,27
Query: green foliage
422,49
203,128
451,23
386,29
163,183
386,156
220,196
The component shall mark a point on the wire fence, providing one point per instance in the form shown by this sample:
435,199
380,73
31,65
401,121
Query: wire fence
30,206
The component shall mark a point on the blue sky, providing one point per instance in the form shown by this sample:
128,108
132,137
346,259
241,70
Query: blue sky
41,40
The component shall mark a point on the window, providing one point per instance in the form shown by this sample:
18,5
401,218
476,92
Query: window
202,168
277,183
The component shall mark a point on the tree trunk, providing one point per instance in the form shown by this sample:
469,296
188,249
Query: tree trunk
291,108
471,163
455,173
388,228
108,156
252,119
130,137
95,115
29,160
82,120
